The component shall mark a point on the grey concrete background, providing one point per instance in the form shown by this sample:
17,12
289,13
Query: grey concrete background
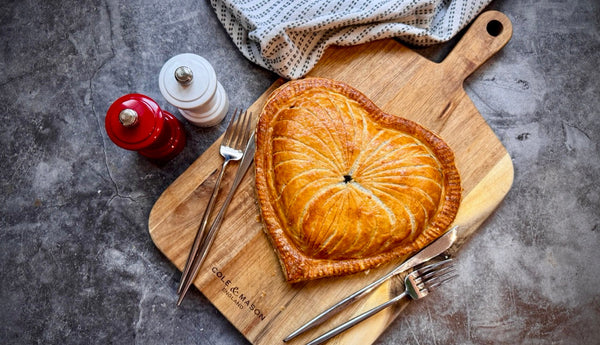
77,265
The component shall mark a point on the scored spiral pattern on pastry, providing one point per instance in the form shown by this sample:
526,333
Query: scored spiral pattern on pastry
343,186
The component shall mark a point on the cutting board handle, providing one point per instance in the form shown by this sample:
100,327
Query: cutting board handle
487,35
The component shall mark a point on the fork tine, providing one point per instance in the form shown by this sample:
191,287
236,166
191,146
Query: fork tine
446,277
435,275
238,127
232,122
423,274
242,136
247,127
238,130
422,271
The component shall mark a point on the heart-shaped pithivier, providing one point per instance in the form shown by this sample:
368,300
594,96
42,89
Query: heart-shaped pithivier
343,186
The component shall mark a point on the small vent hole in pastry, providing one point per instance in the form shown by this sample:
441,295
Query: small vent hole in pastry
347,178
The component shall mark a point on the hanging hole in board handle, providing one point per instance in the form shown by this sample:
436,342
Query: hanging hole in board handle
494,28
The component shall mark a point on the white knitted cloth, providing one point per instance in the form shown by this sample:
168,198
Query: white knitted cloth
289,37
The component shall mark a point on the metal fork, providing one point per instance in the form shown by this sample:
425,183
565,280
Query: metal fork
417,285
232,149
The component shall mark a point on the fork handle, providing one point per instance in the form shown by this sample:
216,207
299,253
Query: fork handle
185,275
354,321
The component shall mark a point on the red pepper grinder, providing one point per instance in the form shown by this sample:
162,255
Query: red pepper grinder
136,122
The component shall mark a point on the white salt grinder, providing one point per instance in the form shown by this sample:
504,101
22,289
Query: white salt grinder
189,82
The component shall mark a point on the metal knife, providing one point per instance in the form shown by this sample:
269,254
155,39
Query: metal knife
210,236
434,249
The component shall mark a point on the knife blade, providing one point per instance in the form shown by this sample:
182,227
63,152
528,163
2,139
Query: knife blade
210,236
434,249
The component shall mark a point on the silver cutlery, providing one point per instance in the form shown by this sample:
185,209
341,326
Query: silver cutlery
210,236
234,141
417,285
432,250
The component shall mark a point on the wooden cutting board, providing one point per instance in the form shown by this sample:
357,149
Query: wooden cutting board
241,275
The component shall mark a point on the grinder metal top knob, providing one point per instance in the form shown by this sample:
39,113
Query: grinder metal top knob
189,82
136,122
184,75
128,117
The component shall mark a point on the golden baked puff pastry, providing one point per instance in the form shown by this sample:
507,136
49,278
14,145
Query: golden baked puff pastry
343,186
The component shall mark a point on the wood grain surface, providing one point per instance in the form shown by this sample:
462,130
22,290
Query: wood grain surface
241,275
